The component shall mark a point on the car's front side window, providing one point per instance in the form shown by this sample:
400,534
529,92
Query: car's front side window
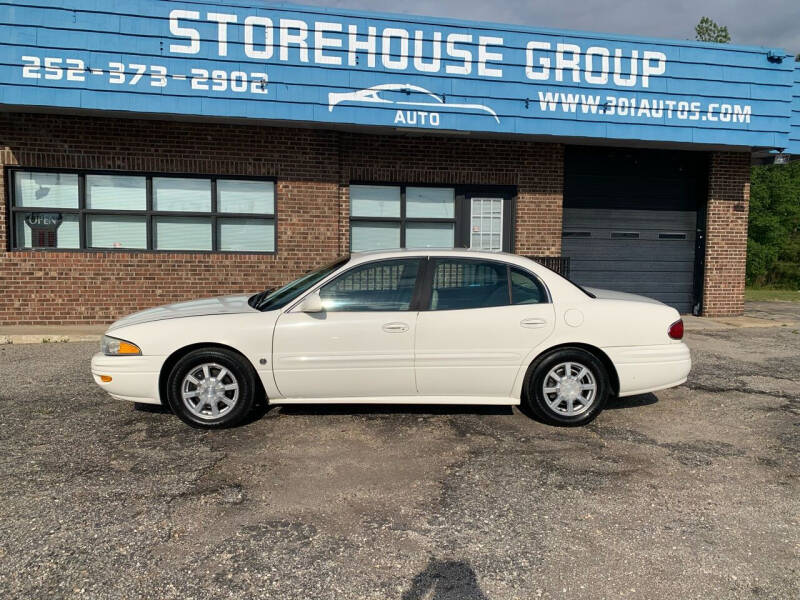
465,283
386,285
274,299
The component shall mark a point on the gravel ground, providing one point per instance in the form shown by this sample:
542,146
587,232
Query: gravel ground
688,493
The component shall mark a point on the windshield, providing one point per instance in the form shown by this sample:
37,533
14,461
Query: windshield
272,299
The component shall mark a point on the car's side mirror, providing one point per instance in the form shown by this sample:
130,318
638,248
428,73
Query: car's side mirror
312,304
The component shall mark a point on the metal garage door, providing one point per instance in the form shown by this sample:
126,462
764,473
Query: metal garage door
631,221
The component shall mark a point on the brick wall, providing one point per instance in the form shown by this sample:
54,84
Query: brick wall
313,168
726,234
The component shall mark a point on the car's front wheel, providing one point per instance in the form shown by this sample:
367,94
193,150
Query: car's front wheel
211,388
568,387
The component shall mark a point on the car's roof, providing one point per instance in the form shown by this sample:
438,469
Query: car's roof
464,252
551,278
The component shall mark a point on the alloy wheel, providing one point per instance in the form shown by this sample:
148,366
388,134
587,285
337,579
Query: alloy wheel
209,391
569,388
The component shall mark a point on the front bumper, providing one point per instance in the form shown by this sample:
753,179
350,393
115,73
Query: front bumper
643,369
133,378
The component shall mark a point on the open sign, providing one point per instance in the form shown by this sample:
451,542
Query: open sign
49,221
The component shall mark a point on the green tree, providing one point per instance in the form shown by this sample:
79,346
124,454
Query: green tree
773,240
707,30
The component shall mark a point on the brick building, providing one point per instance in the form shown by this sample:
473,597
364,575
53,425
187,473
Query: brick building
121,198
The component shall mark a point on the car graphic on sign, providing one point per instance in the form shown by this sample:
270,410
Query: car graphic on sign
405,96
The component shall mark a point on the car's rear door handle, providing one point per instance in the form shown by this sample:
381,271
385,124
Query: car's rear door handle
533,323
395,327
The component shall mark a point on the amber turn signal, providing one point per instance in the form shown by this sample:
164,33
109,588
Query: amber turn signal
128,348
105,378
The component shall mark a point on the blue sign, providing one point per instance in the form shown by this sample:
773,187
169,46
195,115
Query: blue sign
794,133
312,65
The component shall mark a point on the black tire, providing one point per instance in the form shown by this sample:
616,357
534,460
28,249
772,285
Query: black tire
239,372
538,404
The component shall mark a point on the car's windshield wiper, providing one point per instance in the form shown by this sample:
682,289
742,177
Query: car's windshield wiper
256,300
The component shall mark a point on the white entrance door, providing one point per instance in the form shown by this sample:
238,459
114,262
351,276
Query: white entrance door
486,224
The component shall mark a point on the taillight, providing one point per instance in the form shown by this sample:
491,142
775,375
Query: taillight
676,330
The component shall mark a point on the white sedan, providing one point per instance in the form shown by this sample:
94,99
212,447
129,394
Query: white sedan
401,327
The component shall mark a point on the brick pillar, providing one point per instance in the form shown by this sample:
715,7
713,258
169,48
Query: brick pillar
726,234
540,201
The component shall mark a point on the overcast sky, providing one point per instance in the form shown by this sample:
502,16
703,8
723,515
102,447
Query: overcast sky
774,23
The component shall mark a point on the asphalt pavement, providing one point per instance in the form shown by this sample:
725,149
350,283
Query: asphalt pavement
687,493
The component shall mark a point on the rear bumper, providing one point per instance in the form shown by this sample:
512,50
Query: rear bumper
133,378
643,369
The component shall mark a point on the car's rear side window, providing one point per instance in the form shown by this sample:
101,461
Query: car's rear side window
525,288
464,283
386,285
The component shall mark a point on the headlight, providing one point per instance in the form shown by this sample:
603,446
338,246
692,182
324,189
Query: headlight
113,347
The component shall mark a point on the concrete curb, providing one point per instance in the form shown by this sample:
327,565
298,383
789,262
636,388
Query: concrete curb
692,323
12,339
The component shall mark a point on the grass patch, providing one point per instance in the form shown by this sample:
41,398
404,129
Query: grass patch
756,294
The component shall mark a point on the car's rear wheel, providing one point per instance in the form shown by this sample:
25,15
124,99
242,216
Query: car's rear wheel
568,387
211,388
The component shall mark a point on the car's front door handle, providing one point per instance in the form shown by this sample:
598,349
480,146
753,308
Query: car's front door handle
533,323
395,327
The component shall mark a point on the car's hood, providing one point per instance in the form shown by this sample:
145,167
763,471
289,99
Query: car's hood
194,308
614,295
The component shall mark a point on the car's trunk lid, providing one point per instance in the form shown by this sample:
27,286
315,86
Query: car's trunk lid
614,295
